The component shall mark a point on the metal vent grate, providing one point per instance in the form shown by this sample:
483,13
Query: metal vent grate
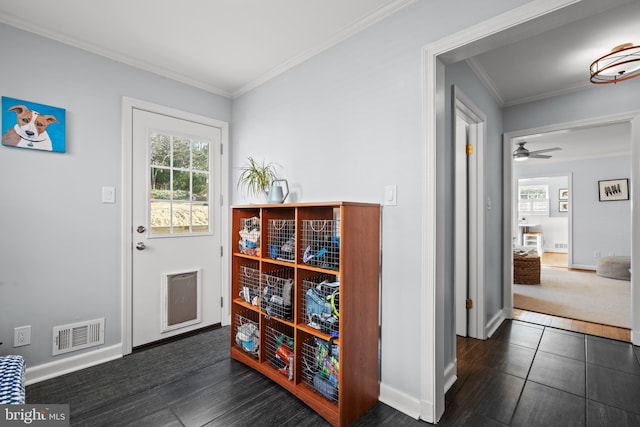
77,336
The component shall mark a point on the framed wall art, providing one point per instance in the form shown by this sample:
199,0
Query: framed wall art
33,126
563,206
563,194
613,189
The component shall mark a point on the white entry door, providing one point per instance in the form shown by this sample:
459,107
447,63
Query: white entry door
176,226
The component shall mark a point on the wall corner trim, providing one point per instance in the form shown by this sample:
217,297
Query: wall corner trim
399,400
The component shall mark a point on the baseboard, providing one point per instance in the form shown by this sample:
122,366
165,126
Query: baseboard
400,401
582,267
450,375
494,323
54,369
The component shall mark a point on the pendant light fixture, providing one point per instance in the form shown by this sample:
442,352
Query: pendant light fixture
622,63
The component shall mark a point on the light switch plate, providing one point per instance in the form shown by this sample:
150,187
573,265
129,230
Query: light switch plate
391,195
108,194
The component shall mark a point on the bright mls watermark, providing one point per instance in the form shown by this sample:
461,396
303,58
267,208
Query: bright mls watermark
34,415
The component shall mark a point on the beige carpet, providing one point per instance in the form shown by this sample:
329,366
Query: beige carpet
580,295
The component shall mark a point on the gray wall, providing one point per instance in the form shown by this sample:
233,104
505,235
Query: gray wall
596,226
60,257
596,101
345,124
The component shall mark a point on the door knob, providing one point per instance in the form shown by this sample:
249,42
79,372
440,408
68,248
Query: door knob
141,229
140,246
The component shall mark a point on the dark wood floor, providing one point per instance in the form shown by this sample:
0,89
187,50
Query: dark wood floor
526,375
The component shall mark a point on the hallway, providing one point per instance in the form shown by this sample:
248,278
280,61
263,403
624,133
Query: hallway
534,375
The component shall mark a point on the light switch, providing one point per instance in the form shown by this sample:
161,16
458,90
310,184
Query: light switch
108,195
390,195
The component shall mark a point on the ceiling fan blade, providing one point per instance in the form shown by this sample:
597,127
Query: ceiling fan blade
538,156
546,150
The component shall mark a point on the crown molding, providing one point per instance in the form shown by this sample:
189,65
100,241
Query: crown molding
485,78
374,17
106,53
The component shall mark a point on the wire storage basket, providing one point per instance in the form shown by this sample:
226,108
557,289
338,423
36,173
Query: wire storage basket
279,348
282,239
249,282
321,243
247,332
277,294
321,367
321,303
249,243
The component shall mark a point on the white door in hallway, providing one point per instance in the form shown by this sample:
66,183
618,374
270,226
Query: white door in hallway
469,223
176,226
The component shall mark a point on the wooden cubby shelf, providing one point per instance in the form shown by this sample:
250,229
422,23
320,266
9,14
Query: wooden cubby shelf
305,301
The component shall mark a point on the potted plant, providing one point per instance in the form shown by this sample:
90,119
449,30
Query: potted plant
256,177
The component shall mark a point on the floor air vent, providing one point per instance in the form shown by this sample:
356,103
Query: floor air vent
77,336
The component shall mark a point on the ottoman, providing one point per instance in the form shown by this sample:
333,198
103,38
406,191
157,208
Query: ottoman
614,267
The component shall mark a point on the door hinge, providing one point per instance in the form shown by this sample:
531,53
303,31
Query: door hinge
221,200
469,149
221,301
221,149
221,250
469,303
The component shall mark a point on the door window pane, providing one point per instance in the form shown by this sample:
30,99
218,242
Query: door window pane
179,172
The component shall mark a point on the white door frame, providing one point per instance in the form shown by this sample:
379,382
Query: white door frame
470,249
431,405
508,194
128,104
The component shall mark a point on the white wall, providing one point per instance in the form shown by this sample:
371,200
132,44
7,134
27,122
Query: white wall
60,256
555,225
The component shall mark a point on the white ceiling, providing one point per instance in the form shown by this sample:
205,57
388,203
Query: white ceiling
557,60
577,144
231,46
223,46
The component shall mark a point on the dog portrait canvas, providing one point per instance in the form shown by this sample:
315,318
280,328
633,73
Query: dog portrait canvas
33,126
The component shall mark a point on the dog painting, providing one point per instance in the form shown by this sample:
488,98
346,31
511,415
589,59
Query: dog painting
33,126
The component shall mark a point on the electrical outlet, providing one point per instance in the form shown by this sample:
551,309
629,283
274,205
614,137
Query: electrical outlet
22,336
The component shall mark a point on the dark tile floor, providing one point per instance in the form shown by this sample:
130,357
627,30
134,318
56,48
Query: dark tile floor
532,375
526,375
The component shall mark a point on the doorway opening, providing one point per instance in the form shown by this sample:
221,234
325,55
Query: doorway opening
570,289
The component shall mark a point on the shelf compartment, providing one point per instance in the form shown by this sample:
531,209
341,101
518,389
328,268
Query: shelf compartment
249,243
247,332
249,282
244,218
277,298
320,303
281,239
279,348
321,367
321,243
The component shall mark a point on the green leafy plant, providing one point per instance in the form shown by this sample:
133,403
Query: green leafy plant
256,177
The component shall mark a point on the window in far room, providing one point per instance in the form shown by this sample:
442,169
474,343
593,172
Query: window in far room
533,200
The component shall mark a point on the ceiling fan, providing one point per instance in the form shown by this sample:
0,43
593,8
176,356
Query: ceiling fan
521,153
